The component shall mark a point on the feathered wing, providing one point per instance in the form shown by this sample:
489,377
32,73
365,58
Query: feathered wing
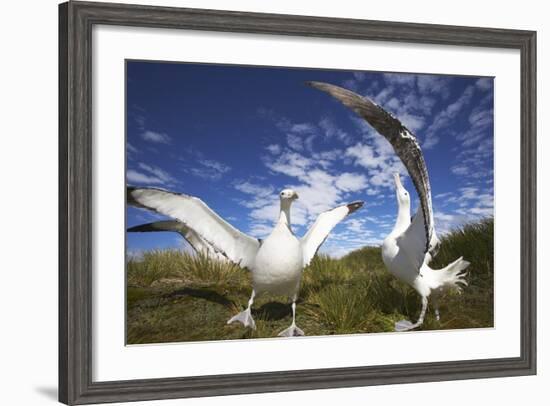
413,241
402,140
198,244
323,225
195,214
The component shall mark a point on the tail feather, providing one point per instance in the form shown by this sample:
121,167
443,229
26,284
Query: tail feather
453,276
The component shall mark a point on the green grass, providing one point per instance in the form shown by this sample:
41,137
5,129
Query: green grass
173,296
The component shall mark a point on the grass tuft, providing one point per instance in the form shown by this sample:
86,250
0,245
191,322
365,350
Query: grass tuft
174,296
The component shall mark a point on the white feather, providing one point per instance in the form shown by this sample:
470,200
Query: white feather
194,213
276,264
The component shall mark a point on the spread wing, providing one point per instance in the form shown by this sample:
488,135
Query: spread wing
402,140
195,214
323,225
198,244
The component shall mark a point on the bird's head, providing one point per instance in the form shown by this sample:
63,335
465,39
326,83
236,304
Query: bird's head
288,195
403,197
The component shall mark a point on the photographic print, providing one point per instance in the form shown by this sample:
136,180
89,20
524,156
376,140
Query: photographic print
267,202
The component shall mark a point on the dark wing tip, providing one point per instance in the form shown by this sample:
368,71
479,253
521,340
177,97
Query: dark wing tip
129,197
354,206
141,228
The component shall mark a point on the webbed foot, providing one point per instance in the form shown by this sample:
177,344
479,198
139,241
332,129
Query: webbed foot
244,317
405,325
292,331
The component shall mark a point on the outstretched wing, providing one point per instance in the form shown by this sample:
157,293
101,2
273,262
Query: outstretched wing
320,230
402,140
195,214
413,241
198,244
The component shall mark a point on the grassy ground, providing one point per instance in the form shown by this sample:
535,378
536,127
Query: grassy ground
173,296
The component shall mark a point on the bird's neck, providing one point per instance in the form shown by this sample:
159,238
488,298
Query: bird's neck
403,218
284,216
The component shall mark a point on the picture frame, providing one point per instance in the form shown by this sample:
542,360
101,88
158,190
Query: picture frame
76,20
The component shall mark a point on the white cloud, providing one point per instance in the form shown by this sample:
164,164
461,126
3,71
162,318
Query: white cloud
434,84
318,189
460,170
210,169
401,79
156,137
275,149
412,122
150,175
351,182
446,116
365,156
470,205
380,161
302,128
133,176
131,149
294,142
253,189
484,83
291,164
215,166
326,158
330,130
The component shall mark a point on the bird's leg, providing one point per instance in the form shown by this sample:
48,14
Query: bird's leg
422,313
293,330
245,317
405,325
436,308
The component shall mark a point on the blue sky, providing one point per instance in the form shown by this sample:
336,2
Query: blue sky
235,136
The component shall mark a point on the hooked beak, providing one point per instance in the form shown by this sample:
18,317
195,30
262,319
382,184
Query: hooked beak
296,196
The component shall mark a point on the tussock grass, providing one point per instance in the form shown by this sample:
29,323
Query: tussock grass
174,296
159,265
341,309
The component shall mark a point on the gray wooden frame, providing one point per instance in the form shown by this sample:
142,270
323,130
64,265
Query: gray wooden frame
76,20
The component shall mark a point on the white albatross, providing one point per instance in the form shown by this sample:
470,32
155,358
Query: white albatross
408,250
276,263
401,247
404,144
195,241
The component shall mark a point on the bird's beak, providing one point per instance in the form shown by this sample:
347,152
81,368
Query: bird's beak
296,196
397,180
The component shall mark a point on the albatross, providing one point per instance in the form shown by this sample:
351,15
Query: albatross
405,146
401,246
276,263
411,245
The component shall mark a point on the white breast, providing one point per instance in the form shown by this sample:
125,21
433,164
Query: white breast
397,261
278,265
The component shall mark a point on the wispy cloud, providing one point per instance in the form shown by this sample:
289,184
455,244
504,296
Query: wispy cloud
210,169
156,137
149,175
275,149
485,83
445,117
318,188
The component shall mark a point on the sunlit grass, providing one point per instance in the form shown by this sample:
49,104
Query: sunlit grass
174,296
